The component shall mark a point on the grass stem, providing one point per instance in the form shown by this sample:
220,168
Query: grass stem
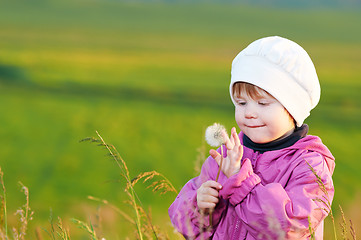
129,183
4,203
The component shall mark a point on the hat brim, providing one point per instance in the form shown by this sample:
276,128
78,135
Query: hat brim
273,79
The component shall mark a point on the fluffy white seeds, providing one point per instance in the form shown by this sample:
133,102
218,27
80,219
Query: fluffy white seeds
214,135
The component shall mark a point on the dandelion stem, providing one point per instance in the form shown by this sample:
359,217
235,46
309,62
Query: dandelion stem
219,171
220,164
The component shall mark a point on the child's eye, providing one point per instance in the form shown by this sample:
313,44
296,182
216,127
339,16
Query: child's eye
263,103
241,103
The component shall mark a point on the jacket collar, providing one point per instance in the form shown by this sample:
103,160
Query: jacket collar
288,141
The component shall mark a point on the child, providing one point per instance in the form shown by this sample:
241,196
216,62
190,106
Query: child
268,187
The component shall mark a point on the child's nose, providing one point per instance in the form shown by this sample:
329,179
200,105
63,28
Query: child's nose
250,112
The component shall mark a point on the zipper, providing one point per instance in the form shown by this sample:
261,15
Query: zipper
254,158
236,228
238,221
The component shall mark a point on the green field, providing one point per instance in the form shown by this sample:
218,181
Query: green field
150,78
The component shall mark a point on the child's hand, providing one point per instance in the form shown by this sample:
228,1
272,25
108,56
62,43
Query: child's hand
207,196
232,163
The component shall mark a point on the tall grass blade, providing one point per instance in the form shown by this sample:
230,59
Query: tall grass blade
3,201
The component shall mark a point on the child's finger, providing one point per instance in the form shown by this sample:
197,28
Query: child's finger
212,184
232,139
228,143
215,155
235,136
211,192
225,136
210,199
240,150
206,205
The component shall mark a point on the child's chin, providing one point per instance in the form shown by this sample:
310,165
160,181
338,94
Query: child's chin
260,140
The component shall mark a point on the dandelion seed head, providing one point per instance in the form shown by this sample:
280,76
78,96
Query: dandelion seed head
214,135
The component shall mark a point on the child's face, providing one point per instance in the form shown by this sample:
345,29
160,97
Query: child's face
262,119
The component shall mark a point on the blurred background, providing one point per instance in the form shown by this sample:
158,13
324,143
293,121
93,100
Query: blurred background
150,76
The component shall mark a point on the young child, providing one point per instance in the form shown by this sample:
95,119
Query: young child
268,187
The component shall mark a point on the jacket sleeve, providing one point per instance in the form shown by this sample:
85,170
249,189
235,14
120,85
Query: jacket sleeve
184,212
274,211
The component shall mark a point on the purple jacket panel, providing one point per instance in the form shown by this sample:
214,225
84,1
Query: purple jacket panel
274,195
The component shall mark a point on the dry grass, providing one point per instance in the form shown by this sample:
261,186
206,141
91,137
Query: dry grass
141,218
24,213
328,209
57,230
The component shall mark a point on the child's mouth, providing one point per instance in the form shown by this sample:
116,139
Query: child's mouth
254,126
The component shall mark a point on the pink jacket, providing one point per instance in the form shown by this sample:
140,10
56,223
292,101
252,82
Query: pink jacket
274,196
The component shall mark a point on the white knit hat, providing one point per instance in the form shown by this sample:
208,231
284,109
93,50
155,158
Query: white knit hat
283,69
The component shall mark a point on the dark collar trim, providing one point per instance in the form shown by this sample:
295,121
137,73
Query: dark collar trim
299,133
